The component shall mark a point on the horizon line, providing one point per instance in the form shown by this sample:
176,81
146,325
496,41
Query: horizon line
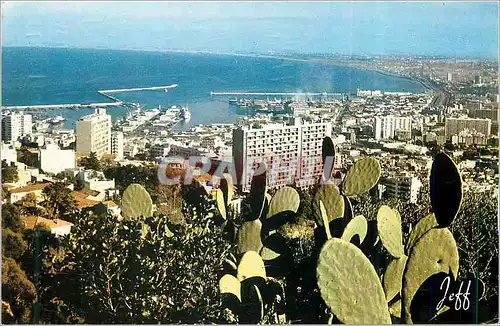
274,54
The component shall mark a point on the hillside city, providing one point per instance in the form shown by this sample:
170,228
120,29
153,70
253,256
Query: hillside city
401,129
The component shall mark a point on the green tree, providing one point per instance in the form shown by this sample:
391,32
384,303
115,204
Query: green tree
127,275
58,200
9,173
17,291
30,204
13,245
91,162
11,218
128,174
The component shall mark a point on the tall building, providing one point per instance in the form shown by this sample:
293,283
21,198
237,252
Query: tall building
16,125
386,127
292,152
93,133
453,126
117,144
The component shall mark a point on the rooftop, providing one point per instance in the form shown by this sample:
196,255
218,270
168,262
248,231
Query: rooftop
29,188
31,220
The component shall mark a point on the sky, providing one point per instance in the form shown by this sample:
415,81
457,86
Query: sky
455,29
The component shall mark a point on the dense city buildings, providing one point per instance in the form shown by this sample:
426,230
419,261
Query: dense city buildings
93,133
16,126
390,126
454,126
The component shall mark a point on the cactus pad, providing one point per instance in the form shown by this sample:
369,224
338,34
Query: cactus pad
324,218
227,187
257,197
230,284
328,150
389,230
435,252
395,309
329,194
393,277
422,226
136,202
361,177
445,189
268,254
252,311
221,203
345,277
357,226
285,199
249,237
251,265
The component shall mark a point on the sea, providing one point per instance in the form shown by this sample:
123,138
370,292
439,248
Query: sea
42,76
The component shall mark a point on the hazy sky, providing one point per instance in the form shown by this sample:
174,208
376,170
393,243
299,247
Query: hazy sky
427,28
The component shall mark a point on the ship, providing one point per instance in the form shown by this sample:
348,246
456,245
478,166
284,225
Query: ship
56,120
185,114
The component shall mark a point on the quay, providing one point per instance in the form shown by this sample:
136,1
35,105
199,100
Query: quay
273,94
156,88
61,106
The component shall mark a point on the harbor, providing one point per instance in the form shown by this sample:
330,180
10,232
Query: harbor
62,106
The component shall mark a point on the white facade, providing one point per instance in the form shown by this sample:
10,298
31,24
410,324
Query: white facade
117,144
55,160
292,153
93,133
405,188
16,125
386,127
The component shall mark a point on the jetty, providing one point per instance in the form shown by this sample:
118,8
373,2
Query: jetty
61,106
273,94
123,90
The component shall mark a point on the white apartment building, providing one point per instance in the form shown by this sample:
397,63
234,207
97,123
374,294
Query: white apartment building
292,152
386,127
55,160
93,133
403,187
16,125
117,144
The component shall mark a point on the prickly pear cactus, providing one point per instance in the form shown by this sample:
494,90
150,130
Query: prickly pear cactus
251,265
345,277
422,226
136,202
252,311
230,284
268,254
285,199
329,194
389,230
445,189
324,219
435,252
227,187
249,237
357,226
258,190
393,277
328,150
361,177
221,203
